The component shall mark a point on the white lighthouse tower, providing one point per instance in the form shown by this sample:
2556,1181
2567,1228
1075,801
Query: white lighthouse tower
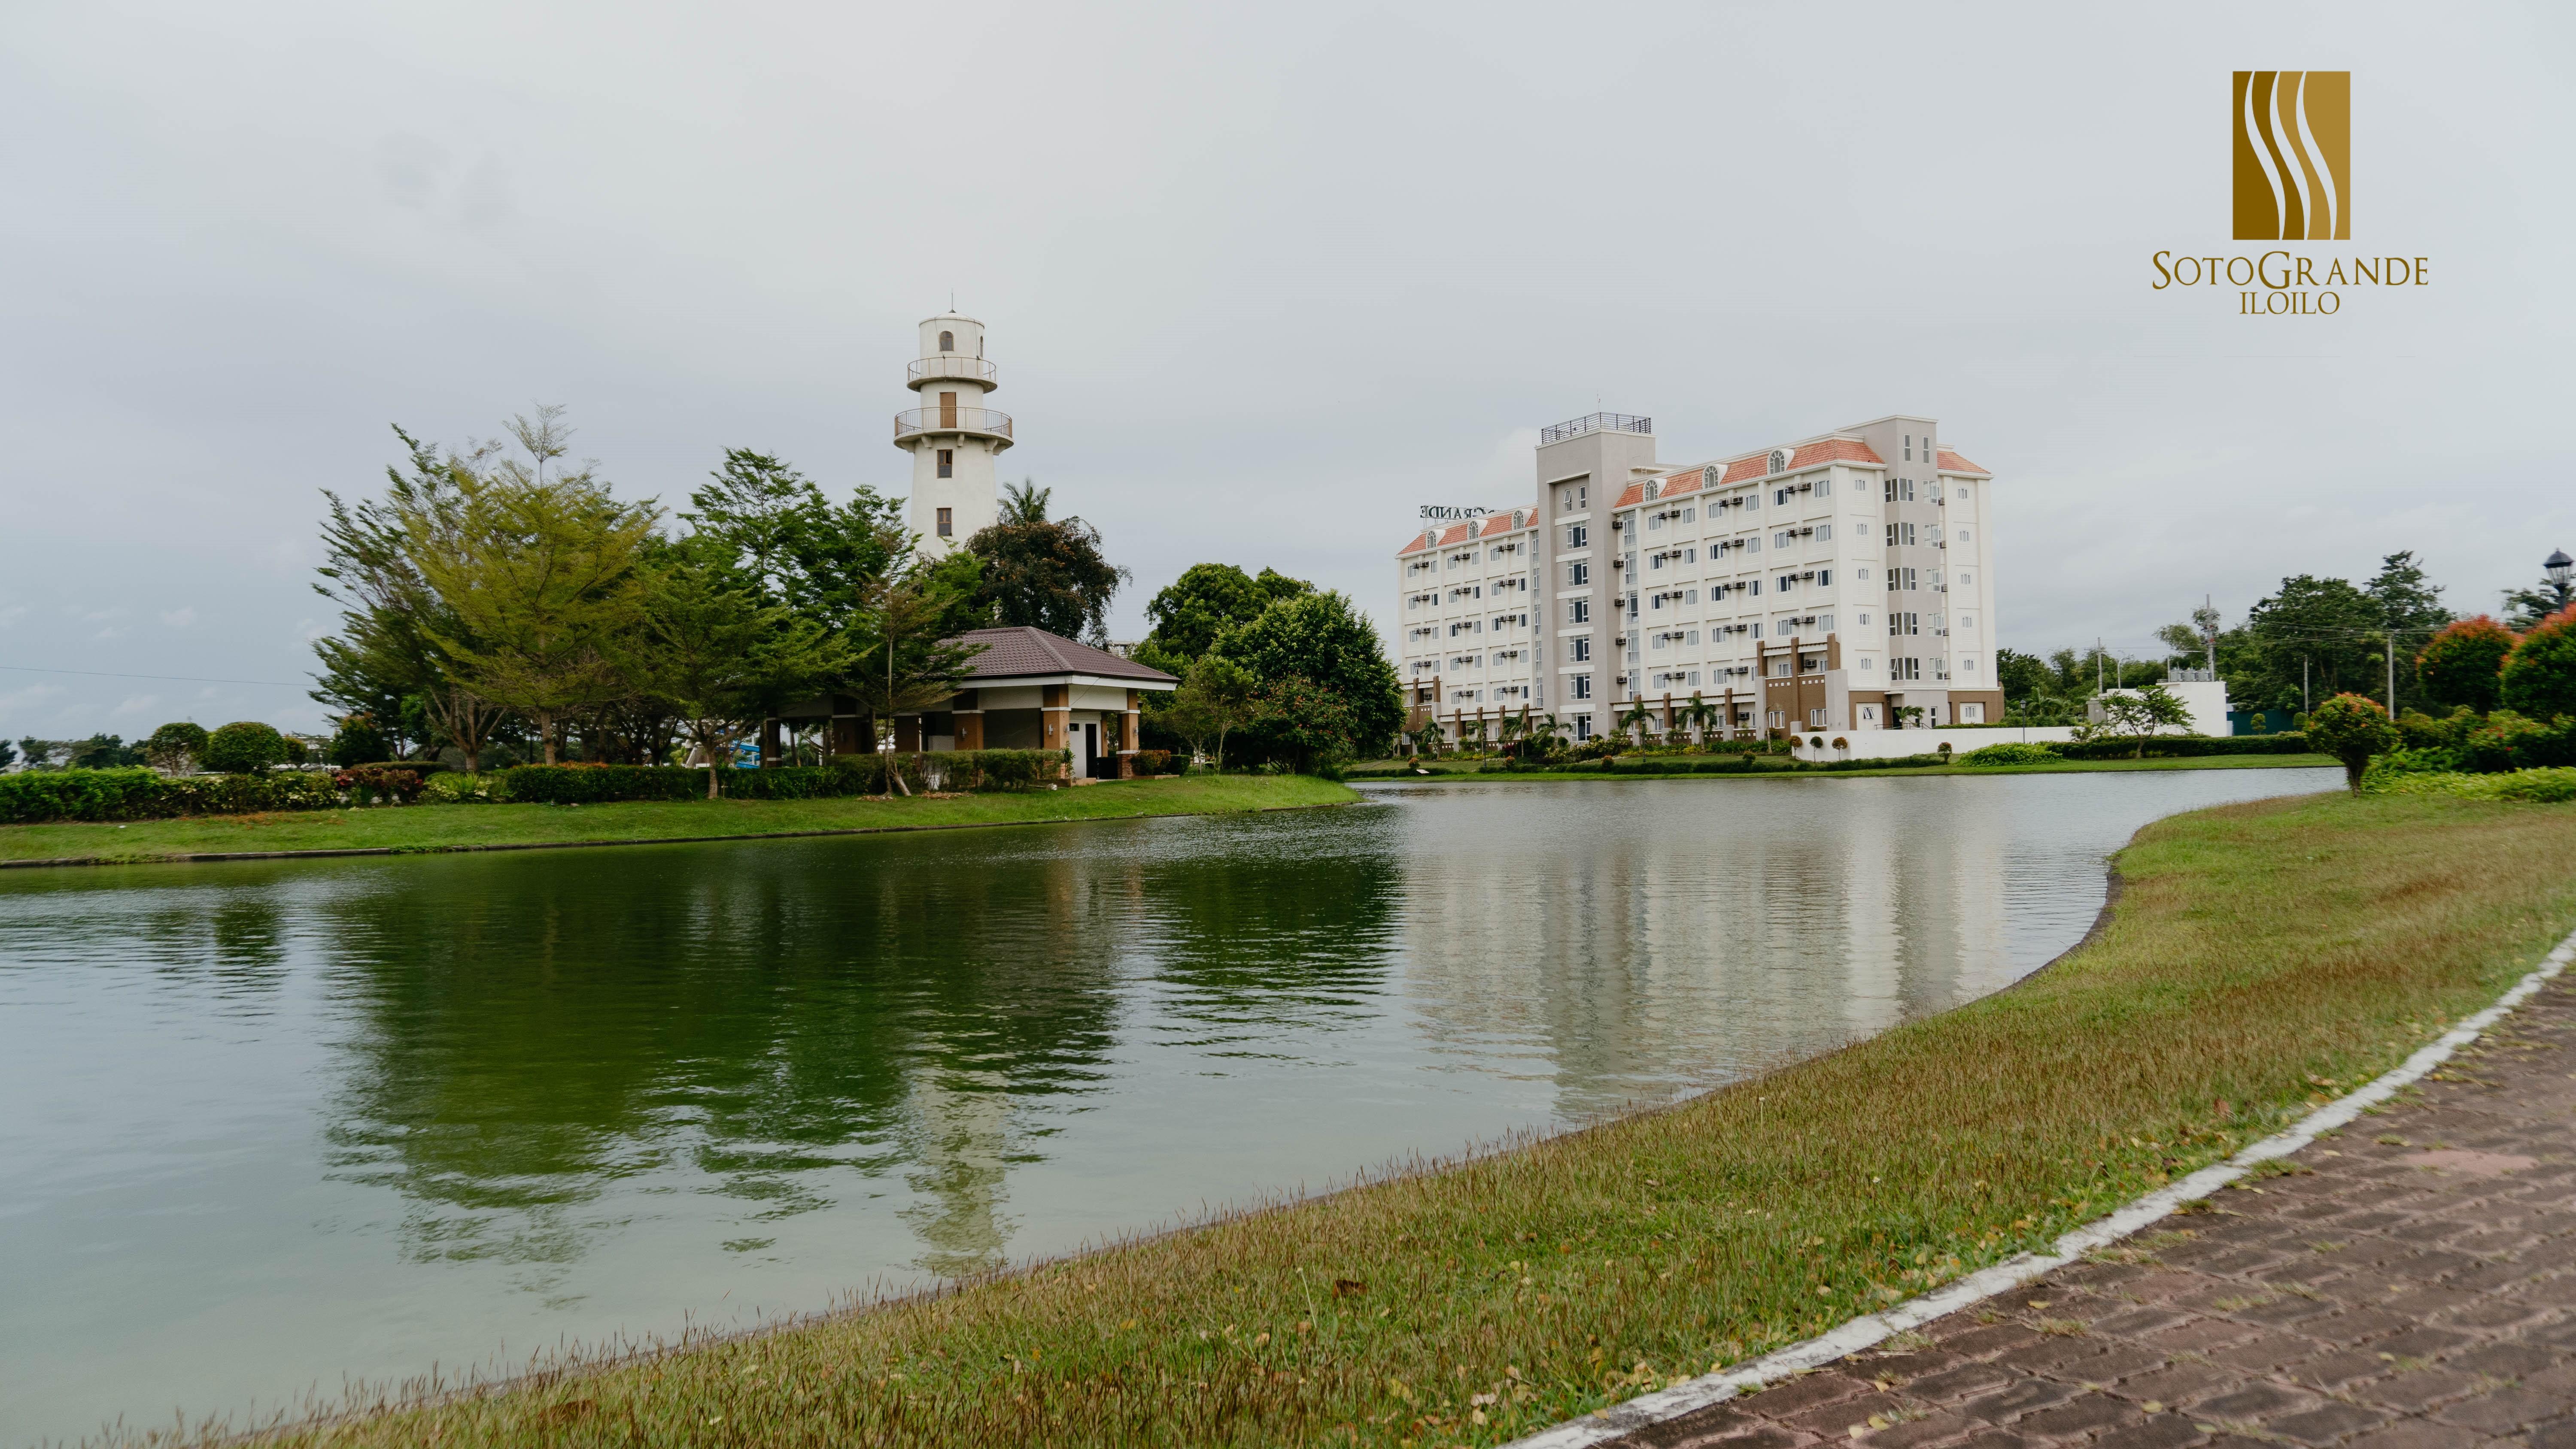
952,436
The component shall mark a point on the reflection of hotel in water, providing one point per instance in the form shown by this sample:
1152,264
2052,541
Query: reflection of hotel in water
1702,954
1821,584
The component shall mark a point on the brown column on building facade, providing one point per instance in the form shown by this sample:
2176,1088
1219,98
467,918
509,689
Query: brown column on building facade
907,733
1131,734
1055,715
773,752
970,719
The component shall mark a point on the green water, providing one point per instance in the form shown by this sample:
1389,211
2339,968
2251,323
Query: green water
267,1125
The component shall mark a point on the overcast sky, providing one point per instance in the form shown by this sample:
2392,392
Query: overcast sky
1259,281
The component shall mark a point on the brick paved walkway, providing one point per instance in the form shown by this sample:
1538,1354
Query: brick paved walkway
2414,1285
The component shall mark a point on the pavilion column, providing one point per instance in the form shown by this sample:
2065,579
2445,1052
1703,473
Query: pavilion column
842,738
1055,718
1131,734
773,752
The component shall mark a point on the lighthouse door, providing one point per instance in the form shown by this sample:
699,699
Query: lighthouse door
948,409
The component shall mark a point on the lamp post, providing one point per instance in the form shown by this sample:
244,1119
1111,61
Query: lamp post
2561,570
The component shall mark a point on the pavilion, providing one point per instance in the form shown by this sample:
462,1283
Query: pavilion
1025,689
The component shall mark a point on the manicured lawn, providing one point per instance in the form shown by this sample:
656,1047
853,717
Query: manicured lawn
469,827
2059,767
2261,955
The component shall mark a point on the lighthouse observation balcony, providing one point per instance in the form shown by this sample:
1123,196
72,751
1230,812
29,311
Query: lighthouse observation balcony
949,366
979,422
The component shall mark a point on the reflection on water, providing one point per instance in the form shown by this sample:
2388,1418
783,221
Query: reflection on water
270,1123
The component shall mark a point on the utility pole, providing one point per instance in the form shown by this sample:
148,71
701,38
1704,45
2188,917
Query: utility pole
2392,666
2097,664
2304,704
2209,631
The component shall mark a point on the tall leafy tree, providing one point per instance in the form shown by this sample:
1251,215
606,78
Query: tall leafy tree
916,659
2312,639
2539,677
1046,573
540,576
1323,639
1205,601
722,658
2410,614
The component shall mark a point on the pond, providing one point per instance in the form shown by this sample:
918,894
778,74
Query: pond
265,1126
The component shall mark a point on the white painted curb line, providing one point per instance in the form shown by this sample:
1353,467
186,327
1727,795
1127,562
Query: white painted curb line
1872,1329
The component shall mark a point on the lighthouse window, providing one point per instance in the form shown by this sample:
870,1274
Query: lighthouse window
947,523
947,462
948,342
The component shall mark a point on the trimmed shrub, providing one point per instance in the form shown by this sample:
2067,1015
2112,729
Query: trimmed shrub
2012,752
1153,762
453,788
176,746
2539,677
2461,665
380,784
2352,729
244,747
2509,741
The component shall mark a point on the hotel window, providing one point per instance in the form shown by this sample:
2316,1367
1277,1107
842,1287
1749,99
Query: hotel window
1824,577
1578,574
1863,576
1581,646
947,462
1909,447
947,524
1578,611
1582,690
1868,665
1578,536
1824,531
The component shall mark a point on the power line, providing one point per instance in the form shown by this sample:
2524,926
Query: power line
176,678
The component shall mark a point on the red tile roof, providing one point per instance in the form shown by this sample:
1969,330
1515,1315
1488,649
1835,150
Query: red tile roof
1835,450
1020,652
1831,450
1953,463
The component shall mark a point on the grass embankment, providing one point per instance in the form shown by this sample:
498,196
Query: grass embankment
485,827
1401,770
2261,955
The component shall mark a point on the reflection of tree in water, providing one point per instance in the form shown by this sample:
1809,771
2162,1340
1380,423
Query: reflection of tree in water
1297,925
226,933
533,1033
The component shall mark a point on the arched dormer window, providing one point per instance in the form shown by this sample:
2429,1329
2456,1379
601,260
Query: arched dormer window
1779,461
1709,476
948,342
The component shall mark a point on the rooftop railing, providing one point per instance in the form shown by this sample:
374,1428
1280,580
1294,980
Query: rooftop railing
1595,423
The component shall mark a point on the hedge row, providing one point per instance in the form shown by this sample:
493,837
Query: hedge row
35,796
134,793
2175,747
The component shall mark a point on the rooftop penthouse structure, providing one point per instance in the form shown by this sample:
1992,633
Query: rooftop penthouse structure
1836,582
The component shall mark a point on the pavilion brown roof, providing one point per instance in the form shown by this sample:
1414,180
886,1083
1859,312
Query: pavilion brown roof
1019,651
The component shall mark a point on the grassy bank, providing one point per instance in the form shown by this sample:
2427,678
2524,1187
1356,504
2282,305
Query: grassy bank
2260,955
484,827
1403,770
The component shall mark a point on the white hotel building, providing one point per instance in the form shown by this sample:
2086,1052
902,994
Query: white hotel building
1840,582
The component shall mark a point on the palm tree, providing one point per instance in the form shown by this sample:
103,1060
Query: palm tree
1542,733
1512,727
1699,715
1636,718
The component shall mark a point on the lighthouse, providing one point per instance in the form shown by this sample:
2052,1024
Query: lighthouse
952,436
